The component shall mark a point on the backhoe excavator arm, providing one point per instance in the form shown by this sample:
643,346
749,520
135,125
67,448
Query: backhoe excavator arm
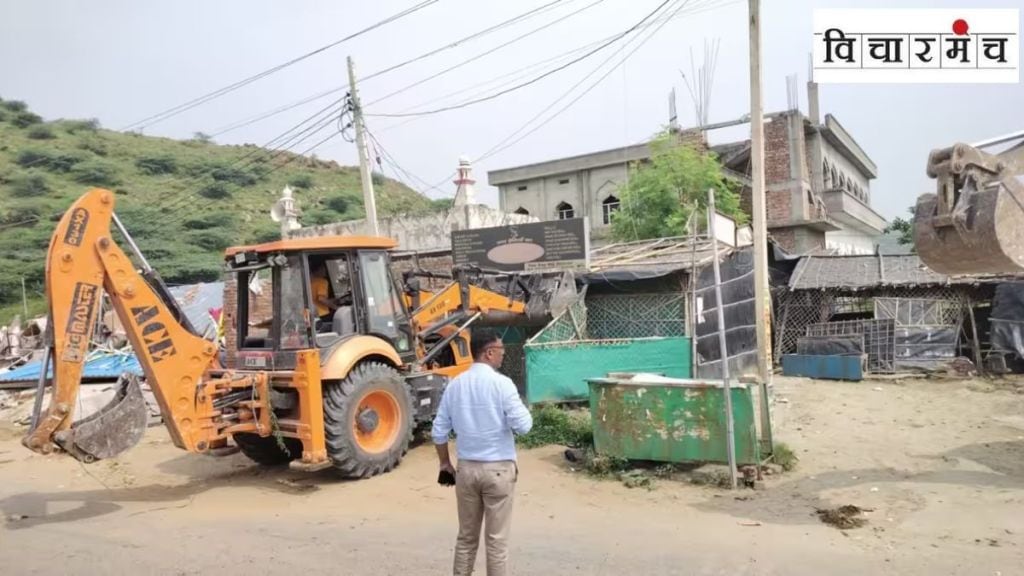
83,260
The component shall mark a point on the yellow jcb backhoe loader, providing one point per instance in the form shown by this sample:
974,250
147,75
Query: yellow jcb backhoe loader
974,223
338,374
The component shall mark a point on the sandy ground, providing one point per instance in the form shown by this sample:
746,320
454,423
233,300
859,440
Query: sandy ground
939,463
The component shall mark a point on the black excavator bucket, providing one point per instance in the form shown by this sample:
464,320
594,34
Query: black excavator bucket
974,223
113,429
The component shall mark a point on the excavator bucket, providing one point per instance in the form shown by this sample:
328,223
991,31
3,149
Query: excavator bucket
987,239
974,224
115,428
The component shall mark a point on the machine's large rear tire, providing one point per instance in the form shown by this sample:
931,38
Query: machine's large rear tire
266,450
368,420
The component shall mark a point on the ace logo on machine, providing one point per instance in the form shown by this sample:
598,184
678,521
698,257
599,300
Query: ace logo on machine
154,334
917,46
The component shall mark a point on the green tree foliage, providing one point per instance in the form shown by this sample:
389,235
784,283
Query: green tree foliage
76,126
25,119
28,185
904,227
660,194
157,164
441,204
302,182
96,173
52,161
339,204
14,105
211,220
215,190
41,132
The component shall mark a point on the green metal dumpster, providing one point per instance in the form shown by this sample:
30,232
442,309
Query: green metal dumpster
648,417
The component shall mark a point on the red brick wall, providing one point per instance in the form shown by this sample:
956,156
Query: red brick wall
262,307
776,151
786,239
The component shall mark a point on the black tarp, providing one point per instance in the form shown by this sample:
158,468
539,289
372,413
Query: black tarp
737,274
1007,318
925,347
847,345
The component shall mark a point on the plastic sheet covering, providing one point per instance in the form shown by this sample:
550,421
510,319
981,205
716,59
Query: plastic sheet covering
849,345
1007,320
737,272
925,347
917,311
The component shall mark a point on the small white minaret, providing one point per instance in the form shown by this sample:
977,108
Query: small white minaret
465,194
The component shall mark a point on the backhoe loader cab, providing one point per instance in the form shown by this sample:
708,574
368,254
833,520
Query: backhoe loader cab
322,294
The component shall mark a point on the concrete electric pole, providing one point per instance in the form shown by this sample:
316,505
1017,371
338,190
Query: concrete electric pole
762,300
369,201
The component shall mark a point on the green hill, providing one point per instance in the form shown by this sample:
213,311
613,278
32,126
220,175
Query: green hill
183,201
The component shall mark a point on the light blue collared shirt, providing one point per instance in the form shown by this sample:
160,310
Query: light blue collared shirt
483,407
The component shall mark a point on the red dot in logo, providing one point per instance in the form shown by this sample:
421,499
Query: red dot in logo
960,27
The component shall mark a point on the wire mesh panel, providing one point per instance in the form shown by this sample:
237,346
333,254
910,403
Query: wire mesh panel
919,311
879,340
571,325
613,316
800,308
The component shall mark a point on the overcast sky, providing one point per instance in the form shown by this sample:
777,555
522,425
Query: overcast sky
120,61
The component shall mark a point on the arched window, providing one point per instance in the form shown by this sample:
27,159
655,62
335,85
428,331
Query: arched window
826,175
565,211
835,179
522,211
609,206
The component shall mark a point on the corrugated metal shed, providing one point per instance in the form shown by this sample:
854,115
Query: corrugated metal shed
101,365
197,300
861,272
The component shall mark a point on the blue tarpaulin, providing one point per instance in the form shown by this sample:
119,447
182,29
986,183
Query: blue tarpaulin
100,366
196,301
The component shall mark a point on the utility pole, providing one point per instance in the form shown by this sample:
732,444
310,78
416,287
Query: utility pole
369,202
24,298
762,299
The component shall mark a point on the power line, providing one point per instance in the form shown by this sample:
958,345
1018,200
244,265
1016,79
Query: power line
506,143
701,6
504,24
275,111
264,115
181,108
481,55
534,80
390,159
516,75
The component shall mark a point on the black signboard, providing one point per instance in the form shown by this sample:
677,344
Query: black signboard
533,247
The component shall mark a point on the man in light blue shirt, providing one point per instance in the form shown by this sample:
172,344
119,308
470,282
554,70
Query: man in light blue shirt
483,408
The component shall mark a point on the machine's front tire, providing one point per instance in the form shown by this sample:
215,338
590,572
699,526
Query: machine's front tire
266,451
368,420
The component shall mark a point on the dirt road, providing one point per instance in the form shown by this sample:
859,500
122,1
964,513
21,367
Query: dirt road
940,464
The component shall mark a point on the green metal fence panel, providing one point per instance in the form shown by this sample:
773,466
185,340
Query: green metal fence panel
636,315
671,422
558,372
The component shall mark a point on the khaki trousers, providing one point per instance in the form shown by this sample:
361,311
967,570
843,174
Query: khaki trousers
485,492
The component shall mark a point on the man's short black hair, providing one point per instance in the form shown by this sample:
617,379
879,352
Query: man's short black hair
481,339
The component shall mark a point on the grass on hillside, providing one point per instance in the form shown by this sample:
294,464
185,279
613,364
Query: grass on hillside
183,201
